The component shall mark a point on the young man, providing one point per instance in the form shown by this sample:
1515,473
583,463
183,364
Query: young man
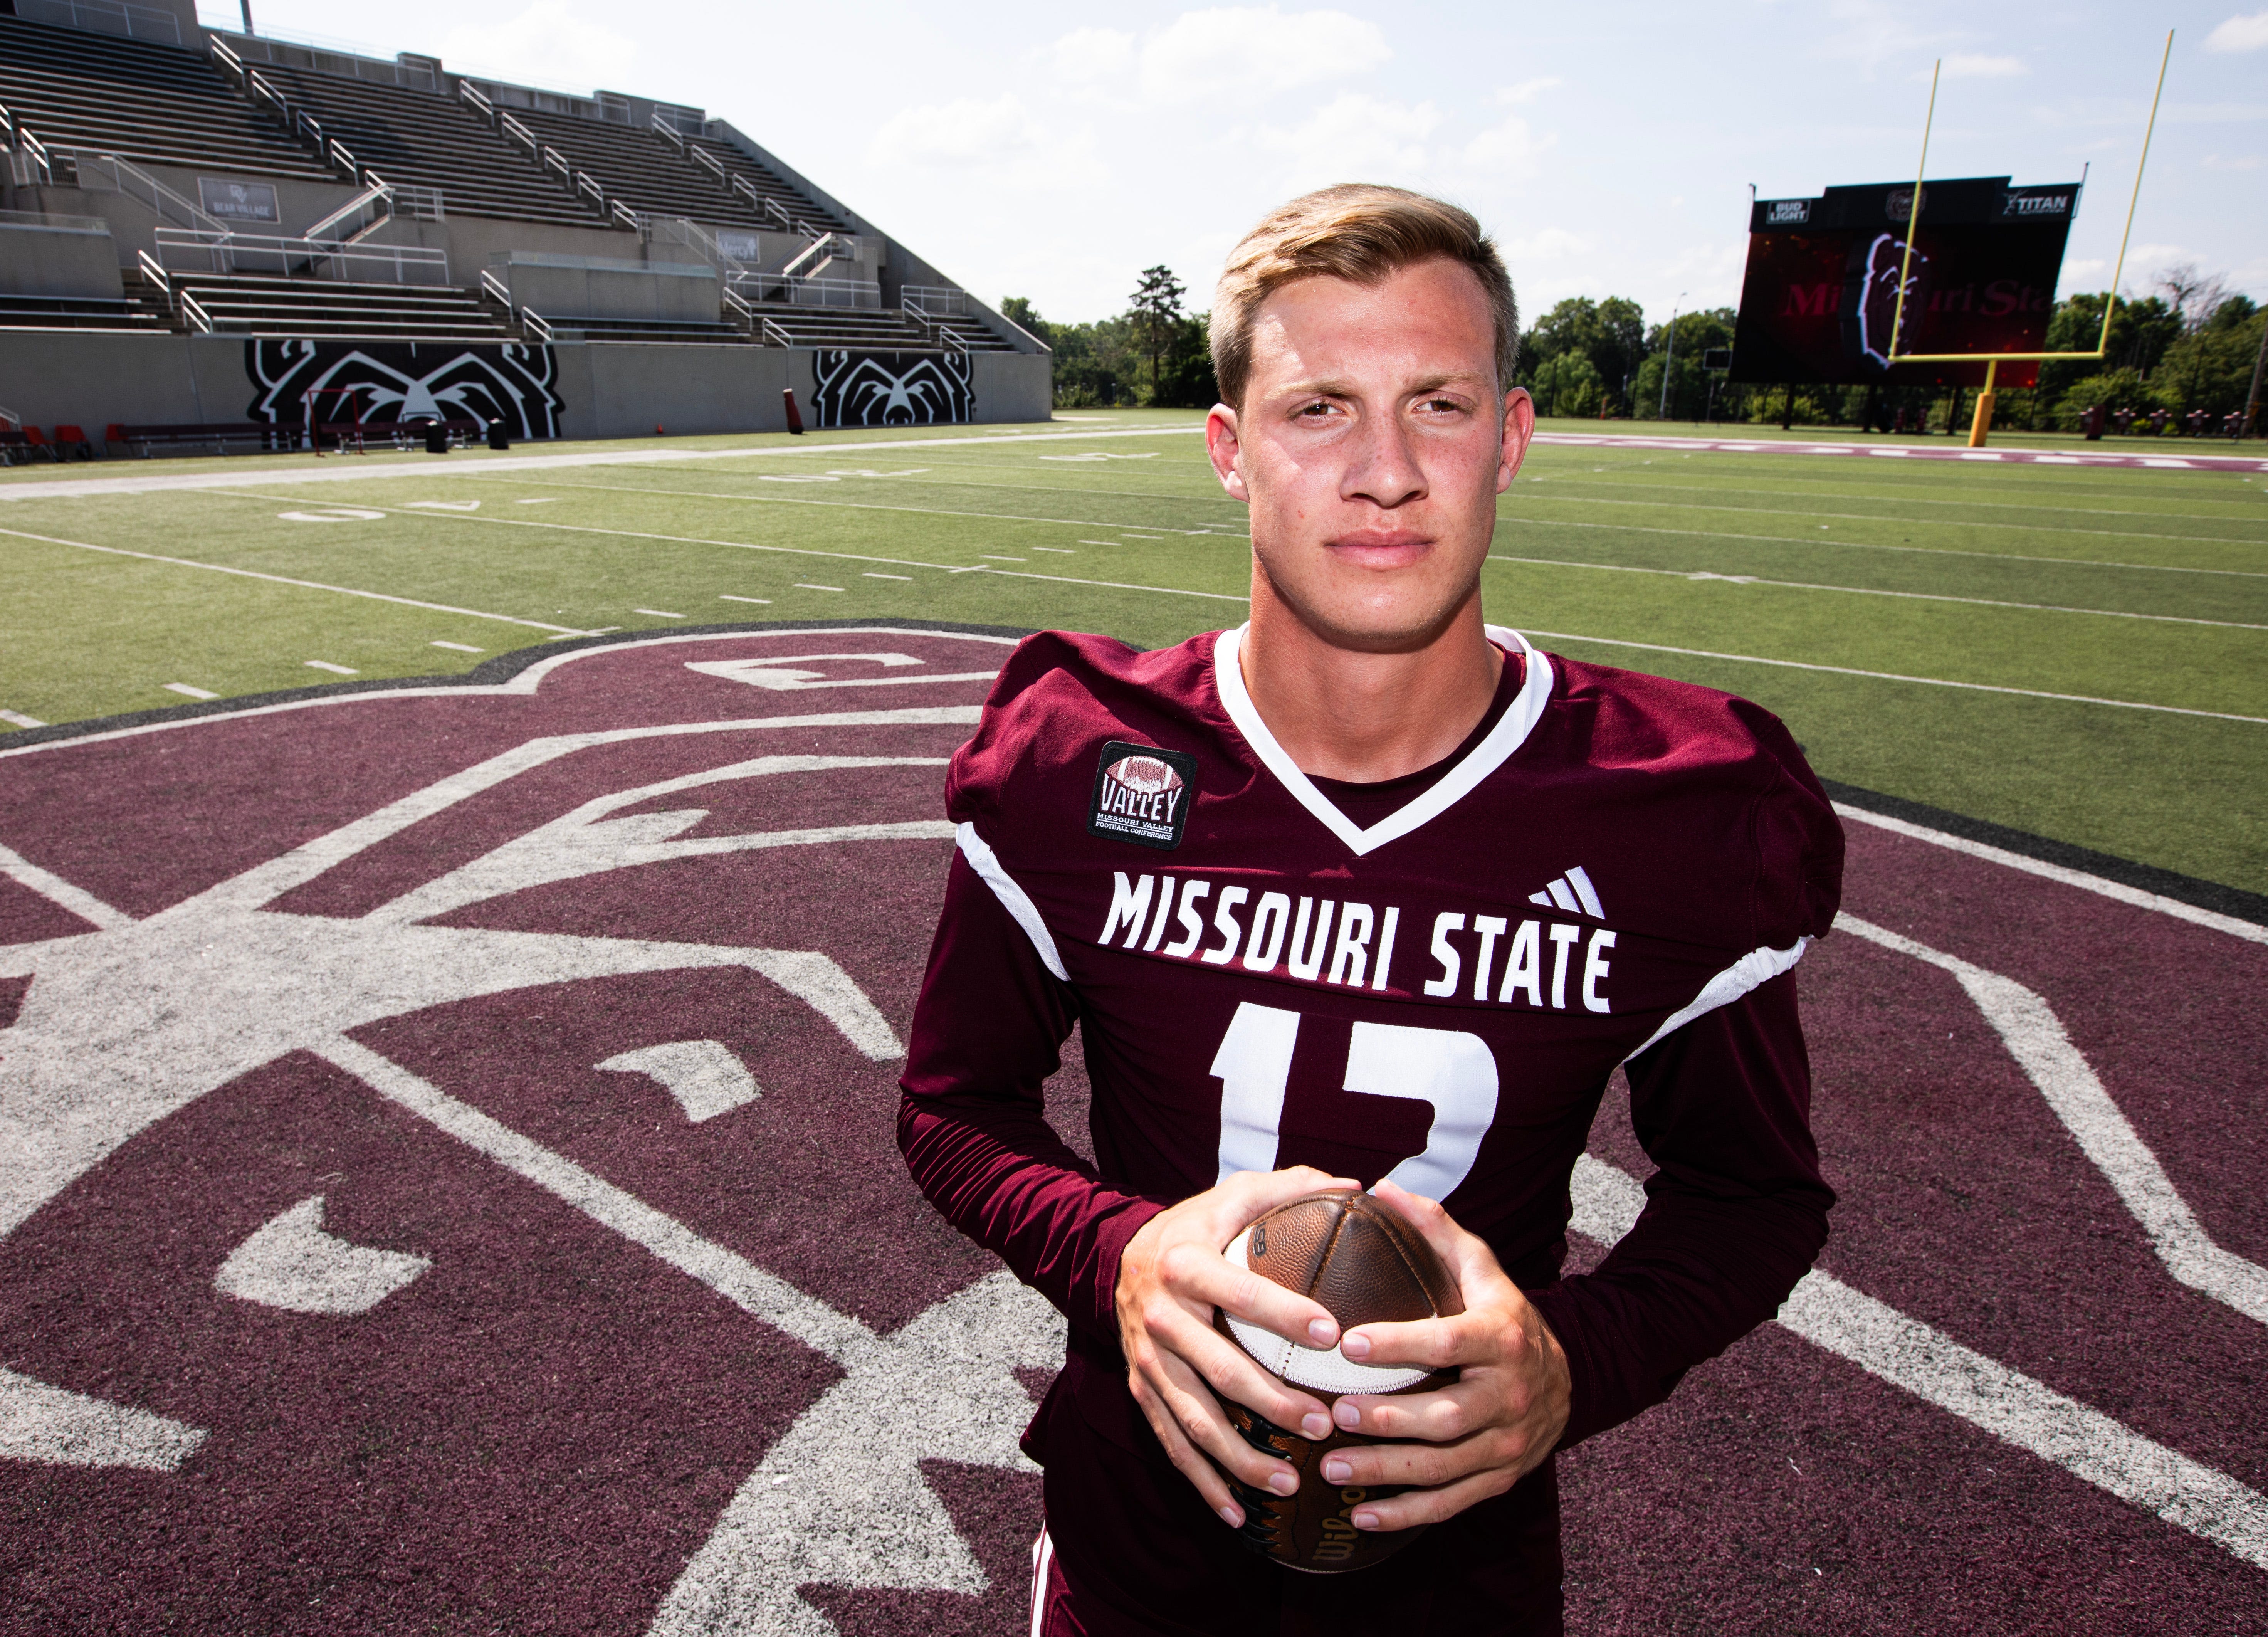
1367,892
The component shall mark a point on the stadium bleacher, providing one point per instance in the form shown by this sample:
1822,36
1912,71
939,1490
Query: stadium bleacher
423,139
151,103
256,305
362,200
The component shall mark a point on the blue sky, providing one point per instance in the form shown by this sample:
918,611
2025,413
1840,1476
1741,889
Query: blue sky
1053,150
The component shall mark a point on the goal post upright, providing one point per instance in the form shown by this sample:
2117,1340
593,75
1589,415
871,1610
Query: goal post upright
1982,426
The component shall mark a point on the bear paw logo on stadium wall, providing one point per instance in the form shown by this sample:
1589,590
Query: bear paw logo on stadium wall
448,1162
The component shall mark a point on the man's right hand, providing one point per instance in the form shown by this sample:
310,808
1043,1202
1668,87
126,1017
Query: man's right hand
1170,1279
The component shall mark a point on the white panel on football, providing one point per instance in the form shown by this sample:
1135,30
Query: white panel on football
1253,1066
292,1264
704,1076
1326,1370
1450,1069
57,1427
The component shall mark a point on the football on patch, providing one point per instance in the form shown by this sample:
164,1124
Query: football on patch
1364,1262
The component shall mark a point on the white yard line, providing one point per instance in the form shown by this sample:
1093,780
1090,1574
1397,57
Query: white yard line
305,585
159,483
1870,591
1876,545
1896,676
1559,494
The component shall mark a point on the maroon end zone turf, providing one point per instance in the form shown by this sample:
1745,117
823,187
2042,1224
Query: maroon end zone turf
447,1183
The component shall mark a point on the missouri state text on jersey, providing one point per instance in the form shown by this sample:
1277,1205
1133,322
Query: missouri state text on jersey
1422,997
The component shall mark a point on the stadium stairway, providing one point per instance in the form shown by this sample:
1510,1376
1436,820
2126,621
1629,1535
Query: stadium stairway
325,309
865,328
422,139
640,168
155,103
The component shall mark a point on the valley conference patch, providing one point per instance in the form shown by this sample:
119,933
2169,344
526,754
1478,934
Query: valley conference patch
1142,794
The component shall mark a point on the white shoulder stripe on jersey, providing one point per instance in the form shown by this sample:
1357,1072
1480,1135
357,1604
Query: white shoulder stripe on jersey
1013,898
1505,737
1758,966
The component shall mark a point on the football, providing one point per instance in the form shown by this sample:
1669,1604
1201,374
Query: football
1365,1262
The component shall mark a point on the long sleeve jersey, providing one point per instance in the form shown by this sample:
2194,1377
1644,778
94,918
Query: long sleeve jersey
1433,983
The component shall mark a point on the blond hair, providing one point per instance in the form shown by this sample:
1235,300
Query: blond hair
1357,232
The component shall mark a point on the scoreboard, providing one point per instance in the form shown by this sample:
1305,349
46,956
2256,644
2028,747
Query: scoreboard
1821,286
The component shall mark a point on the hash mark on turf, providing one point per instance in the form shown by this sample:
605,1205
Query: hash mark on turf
460,647
994,556
659,613
335,670
727,596
17,719
804,585
193,693
1059,551
906,577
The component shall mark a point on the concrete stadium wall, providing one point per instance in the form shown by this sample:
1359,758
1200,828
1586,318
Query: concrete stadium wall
569,287
49,259
91,378
1013,385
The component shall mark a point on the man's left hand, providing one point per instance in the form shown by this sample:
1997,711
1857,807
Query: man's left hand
1483,1434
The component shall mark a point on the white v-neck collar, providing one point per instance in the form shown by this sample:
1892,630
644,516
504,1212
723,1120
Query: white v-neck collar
1511,731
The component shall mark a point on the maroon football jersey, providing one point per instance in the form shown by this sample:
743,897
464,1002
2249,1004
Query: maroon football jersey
1620,870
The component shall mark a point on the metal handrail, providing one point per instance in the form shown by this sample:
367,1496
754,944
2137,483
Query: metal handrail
935,298
423,204
738,309
775,336
13,421
586,187
192,312
708,162
514,131
552,160
37,152
495,289
670,131
467,91
226,254
136,183
355,206
7,124
256,86
340,154
229,60
623,216
532,323
153,270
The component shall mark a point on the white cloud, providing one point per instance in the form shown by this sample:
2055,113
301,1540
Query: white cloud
1248,52
2240,34
961,132
1507,151
1354,139
1552,244
1973,65
1088,56
998,139
2246,162
547,41
1526,90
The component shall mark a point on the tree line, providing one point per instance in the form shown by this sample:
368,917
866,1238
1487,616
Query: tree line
2192,345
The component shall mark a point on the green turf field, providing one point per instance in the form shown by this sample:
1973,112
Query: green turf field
2143,587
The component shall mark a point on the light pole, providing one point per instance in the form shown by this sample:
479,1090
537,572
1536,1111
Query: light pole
1664,413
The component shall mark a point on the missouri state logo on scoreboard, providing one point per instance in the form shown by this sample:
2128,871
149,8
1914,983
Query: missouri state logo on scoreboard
1142,794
